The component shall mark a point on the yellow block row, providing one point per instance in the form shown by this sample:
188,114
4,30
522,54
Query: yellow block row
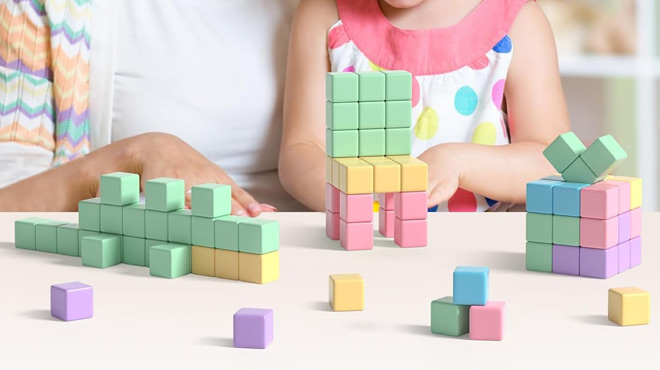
366,175
252,268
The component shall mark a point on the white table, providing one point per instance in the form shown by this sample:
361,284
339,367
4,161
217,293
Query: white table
553,321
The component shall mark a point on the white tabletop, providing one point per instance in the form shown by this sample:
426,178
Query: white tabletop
553,321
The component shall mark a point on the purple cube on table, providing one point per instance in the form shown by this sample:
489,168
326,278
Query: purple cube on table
599,263
253,328
565,260
71,301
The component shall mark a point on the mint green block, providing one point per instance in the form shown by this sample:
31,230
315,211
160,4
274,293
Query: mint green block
398,85
341,87
398,114
226,232
538,257
398,141
46,235
448,318
371,86
564,150
258,236
164,194
134,220
341,116
120,188
203,231
148,244
25,233
539,227
169,260
371,143
68,242
371,115
134,251
179,226
89,214
579,172
566,230
211,200
340,144
101,250
84,233
112,219
156,225
604,155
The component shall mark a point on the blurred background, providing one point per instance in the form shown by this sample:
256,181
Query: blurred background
609,58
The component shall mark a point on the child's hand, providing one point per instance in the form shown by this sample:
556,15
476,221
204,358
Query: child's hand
444,173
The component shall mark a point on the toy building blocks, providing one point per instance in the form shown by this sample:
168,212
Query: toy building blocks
346,292
629,306
253,328
471,285
71,301
448,318
487,322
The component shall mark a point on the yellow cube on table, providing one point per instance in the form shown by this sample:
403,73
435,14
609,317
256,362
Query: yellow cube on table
387,174
259,268
346,292
203,261
226,264
414,173
629,306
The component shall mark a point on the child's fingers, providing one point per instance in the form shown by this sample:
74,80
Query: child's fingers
439,194
244,200
237,209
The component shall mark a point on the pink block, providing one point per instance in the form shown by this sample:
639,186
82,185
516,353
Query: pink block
410,233
356,207
356,236
624,256
386,223
600,201
487,322
635,223
624,194
332,225
411,205
635,251
331,198
599,234
386,201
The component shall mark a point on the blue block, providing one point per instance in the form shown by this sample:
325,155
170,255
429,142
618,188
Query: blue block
471,285
566,199
539,196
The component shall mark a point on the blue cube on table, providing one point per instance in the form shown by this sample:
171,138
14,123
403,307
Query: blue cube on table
471,285
566,198
539,196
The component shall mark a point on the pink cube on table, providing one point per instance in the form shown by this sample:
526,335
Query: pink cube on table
411,205
410,233
331,198
332,225
71,301
356,207
635,251
487,322
599,263
624,227
600,201
624,194
599,234
624,256
386,223
356,236
386,201
635,222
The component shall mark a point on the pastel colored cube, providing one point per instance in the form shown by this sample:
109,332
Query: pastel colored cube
120,188
356,176
624,227
179,226
356,207
471,285
564,150
539,196
259,268
635,222
635,189
371,86
386,223
258,236
539,227
386,201
578,171
332,225
156,225
398,141
169,260
599,263
81,235
411,205
226,264
448,318
599,234
46,235
25,232
566,198
134,220
71,301
101,251
629,306
344,143
346,292
331,198
328,170
341,87
398,85
164,194
487,322
624,256
414,173
635,251
203,231
203,261
410,233
226,232
566,230
371,142
387,174
354,236
600,201
341,116
112,219
148,244
68,242
210,200
624,194
398,114
371,115
89,214
604,155
538,256
134,251
565,260
253,328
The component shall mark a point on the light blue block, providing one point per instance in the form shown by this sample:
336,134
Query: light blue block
566,199
539,196
471,285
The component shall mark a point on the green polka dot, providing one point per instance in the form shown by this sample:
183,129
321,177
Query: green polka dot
427,124
376,68
484,134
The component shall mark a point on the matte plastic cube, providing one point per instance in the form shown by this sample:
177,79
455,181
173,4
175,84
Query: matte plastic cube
356,207
448,318
134,219
81,235
624,194
341,87
226,264
578,171
410,233
346,292
332,225
386,223
331,198
635,189
259,268
354,236
411,205
398,141
564,150
211,200
629,306
599,234
565,260
371,115
341,116
539,227
203,231
600,201
112,219
134,251
371,142
371,86
539,196
414,173
624,227
329,170
471,285
487,322
253,328
169,260
635,251
387,174
101,251
624,256
203,261
566,198
398,85
258,236
68,242
604,155
164,194
120,188
341,144
25,234
386,201
179,226
89,214
226,232
355,176
635,222
46,235
156,225
566,230
599,263
148,244
71,301
398,114
538,256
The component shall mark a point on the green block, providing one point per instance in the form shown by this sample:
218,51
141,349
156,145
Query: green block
179,226
134,220
164,194
203,231
398,141
148,244
563,151
156,225
372,143
539,227
84,233
111,219
134,251
89,214
371,86
340,144
169,260
538,257
25,233
578,171
341,116
120,188
398,85
226,232
211,200
398,114
566,230
448,318
46,235
371,115
604,155
341,87
258,236
68,242
101,250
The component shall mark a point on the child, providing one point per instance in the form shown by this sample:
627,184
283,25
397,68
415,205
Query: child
487,97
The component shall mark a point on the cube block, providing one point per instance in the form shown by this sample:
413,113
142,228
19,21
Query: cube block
635,189
600,201
386,201
25,232
487,322
538,256
179,226
226,264
565,260
371,142
156,225
398,114
341,87
258,236
203,231
411,205
604,155
226,232
471,285
566,198
599,263
355,176
134,251
624,227
398,141
624,194
46,235
210,200
71,301
112,219
635,251
635,222
414,173
624,256
101,251
371,86
134,220
344,143
564,150
259,268
164,194
346,292
68,242
331,198
600,234
356,207
629,306
371,115
253,328
203,261
539,227
540,195
120,188
387,174
398,85
448,318
566,230
410,233
148,244
89,214
341,116
332,225
386,223
578,171
81,235
355,236
169,260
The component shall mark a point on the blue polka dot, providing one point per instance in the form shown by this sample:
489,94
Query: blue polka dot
504,46
491,202
433,209
465,100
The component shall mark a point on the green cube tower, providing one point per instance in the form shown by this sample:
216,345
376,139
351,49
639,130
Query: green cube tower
371,86
398,85
448,318
371,143
120,188
164,194
398,141
341,116
398,114
258,236
343,143
341,87
371,115
211,200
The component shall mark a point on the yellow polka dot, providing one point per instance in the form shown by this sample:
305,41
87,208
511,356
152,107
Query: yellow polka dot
427,124
376,68
376,206
484,134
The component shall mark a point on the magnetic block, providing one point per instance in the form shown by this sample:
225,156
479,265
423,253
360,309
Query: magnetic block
253,328
629,306
599,234
258,236
635,222
341,144
448,318
89,214
411,205
356,207
371,86
120,188
101,251
179,226
599,263
635,189
539,227
210,200
624,256
346,292
371,115
398,141
387,174
487,322
341,116
563,151
566,198
566,230
134,219
578,171
398,85
226,232
112,219
46,235
134,251
356,176
226,264
624,227
331,198
203,231
539,196
410,233
341,87
169,260
371,142
355,236
68,242
398,114
164,194
635,251
604,155
386,201
565,260
624,194
386,223
471,285
156,225
600,201
332,225
259,268
25,233
71,301
414,173
203,261
538,256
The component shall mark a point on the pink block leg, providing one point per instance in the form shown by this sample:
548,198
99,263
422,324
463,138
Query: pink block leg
410,233
332,225
411,205
635,223
355,236
386,201
356,207
487,322
386,223
331,198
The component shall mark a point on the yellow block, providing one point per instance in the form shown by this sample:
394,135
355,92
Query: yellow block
259,268
203,261
387,174
226,264
414,173
336,164
328,170
346,292
629,306
635,189
355,176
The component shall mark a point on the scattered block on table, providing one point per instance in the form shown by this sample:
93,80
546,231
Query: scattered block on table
600,234
101,251
629,306
410,233
226,264
471,285
111,219
539,227
635,251
398,85
46,235
203,261
258,236
411,205
624,256
134,251
565,260
386,223
578,171
89,214
540,195
398,141
448,318
253,328
68,242
341,87
259,268
211,200
566,198
387,174
635,189
156,225
566,230
624,227
487,322
120,188
341,143
354,236
25,232
342,116
398,114
169,260
71,301
386,201
635,222
179,226
164,194
538,256
356,207
134,220
371,86
563,151
371,142
600,201
599,263
332,225
203,231
371,115
414,173
346,292
604,155
355,176
331,198
226,232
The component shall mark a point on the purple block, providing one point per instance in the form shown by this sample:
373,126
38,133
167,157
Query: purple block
253,328
624,256
635,251
71,301
566,260
599,263
624,227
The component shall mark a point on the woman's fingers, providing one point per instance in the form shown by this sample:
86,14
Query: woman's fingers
267,208
245,201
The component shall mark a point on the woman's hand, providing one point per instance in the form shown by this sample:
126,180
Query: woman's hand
444,173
